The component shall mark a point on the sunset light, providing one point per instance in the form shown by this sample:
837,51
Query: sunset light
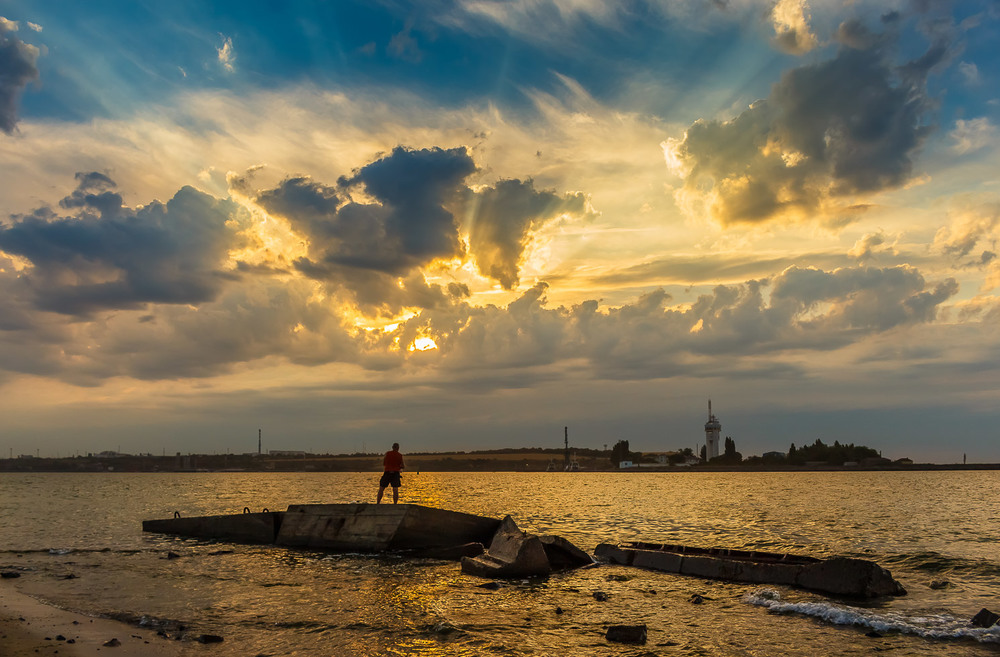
499,327
531,209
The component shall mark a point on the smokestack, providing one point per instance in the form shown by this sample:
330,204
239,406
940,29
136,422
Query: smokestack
258,443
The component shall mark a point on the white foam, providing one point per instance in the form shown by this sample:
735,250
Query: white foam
929,626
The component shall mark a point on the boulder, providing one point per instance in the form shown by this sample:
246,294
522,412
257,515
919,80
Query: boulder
626,634
849,577
512,553
210,638
562,554
985,618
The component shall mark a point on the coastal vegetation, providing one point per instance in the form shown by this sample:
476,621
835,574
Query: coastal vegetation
525,459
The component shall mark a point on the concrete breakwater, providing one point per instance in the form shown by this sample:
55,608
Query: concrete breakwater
499,549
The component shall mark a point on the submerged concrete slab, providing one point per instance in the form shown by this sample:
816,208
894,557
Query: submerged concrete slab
837,576
380,527
238,527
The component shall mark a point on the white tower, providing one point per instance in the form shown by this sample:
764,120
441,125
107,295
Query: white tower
712,429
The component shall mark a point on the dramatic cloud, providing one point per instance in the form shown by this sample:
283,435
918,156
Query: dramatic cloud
374,247
17,69
501,219
791,26
110,256
798,309
421,211
848,126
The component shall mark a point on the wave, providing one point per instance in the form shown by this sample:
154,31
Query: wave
927,626
61,551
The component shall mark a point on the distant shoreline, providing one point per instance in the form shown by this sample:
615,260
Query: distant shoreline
499,461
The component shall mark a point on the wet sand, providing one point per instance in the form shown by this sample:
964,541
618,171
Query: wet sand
29,627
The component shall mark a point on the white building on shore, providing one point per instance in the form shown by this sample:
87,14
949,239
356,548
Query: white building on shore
712,430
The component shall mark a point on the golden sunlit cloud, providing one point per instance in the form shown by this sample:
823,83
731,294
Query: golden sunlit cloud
423,344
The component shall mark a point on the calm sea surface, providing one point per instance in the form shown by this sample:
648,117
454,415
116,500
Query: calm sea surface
926,527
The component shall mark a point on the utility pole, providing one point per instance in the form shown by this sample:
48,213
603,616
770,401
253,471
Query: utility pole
259,442
566,453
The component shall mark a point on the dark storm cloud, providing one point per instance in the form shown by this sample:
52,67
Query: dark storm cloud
111,257
312,204
500,221
373,249
415,186
849,125
406,227
17,69
418,201
94,192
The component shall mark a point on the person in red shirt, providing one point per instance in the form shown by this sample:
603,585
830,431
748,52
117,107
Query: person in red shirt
392,463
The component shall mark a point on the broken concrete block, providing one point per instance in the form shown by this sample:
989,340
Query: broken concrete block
512,553
562,554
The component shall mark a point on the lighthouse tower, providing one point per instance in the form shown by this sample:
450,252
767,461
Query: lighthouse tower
712,429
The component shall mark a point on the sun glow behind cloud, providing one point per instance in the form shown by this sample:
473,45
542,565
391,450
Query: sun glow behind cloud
685,219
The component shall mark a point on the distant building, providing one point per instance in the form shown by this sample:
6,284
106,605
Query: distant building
712,430
662,458
286,452
626,464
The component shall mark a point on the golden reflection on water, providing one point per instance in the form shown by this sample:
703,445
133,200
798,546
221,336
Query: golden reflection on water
275,601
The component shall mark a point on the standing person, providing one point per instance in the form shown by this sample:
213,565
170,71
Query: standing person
392,463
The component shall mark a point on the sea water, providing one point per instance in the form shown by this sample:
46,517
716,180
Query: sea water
77,540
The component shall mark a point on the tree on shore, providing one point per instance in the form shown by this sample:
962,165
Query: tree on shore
729,455
680,455
620,452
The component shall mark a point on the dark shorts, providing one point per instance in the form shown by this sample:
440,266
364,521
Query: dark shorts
389,479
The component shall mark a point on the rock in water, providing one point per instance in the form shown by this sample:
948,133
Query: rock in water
209,638
111,643
985,618
627,634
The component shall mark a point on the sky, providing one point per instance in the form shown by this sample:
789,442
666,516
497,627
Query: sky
468,224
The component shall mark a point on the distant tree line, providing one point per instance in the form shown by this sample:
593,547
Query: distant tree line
835,454
818,452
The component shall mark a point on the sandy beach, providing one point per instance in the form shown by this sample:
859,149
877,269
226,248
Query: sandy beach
29,627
